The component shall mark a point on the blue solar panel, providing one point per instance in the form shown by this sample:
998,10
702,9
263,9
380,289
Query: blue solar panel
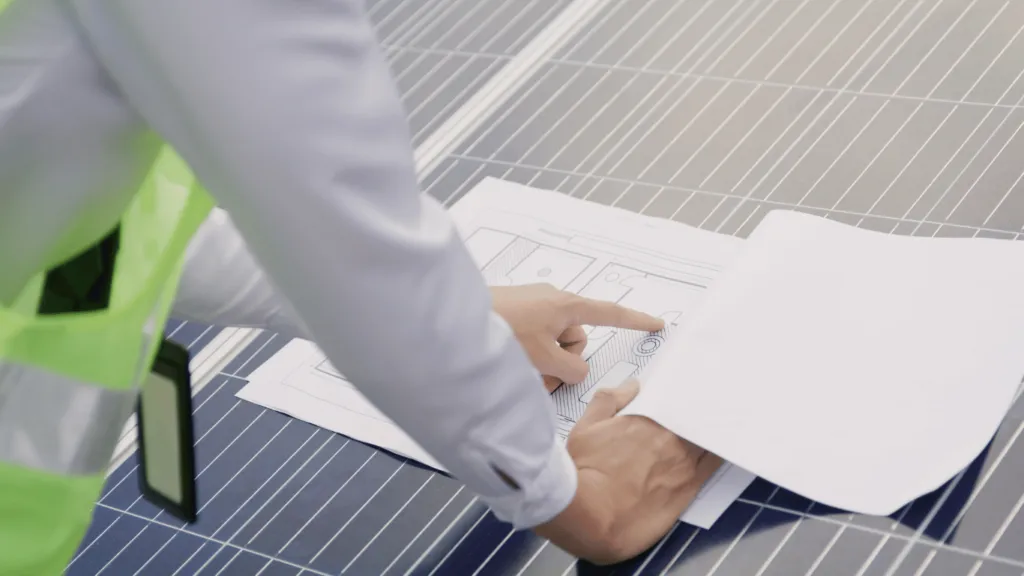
280,496
710,112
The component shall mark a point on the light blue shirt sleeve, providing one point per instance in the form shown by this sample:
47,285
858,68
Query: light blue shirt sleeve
287,113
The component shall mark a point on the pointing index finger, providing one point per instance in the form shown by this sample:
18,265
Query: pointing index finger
601,313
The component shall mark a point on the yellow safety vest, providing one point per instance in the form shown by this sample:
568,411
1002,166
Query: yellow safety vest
68,382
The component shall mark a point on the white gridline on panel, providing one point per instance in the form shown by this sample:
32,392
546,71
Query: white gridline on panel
882,66
398,42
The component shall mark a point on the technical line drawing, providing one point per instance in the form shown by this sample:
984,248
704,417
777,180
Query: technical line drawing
610,379
527,262
663,270
334,389
649,345
485,244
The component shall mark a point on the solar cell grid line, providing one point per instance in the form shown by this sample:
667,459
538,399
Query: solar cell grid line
109,491
869,560
989,549
554,9
401,554
607,16
156,518
508,24
249,542
196,409
969,163
416,29
919,106
399,35
808,107
807,33
886,102
943,123
736,41
625,87
356,513
985,170
203,506
613,150
938,128
326,502
732,545
523,12
253,495
834,98
709,33
382,11
574,17
465,510
848,214
917,538
565,85
452,103
139,498
465,16
966,506
387,524
373,8
452,549
225,486
767,150
814,145
177,529
724,87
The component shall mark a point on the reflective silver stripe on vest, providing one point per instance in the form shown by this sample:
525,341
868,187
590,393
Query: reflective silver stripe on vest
57,424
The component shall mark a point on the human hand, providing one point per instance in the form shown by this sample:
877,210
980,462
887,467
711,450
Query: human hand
635,479
548,323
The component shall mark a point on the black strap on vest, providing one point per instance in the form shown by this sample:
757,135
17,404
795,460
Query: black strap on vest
82,284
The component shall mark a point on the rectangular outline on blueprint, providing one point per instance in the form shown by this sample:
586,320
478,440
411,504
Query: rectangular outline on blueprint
635,269
335,378
515,237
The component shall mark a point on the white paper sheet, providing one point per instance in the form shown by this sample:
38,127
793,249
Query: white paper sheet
857,369
518,236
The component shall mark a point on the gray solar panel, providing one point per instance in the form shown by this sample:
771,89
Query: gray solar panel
897,115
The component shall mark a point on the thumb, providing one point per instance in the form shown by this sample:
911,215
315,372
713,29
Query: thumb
607,402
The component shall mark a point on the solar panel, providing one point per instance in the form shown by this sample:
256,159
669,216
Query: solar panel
901,116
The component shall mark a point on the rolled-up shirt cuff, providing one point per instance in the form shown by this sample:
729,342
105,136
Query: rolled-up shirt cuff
544,498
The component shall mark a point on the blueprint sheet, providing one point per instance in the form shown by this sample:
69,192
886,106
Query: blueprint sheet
520,235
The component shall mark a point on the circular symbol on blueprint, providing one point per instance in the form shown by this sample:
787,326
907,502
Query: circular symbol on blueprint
544,272
648,345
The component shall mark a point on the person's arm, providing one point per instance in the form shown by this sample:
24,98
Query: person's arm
287,113
223,284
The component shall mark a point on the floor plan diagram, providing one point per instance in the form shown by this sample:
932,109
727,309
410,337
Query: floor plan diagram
655,266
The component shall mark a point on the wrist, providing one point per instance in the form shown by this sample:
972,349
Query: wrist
545,497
